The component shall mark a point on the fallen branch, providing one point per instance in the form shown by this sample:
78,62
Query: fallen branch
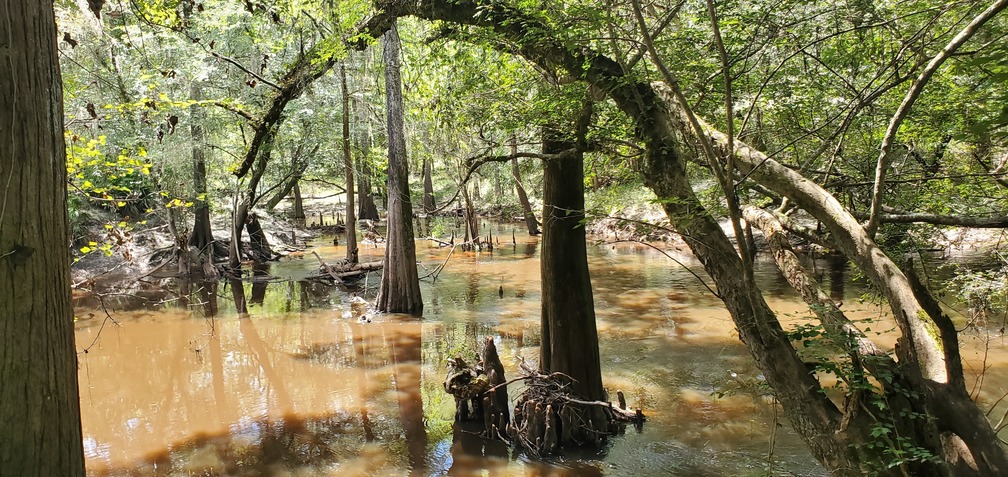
327,268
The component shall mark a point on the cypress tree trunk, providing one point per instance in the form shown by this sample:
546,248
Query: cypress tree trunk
400,286
569,339
40,427
298,203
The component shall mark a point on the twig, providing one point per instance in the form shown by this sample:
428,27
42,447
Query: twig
437,270
670,257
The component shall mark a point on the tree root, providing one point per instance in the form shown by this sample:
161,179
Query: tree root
547,416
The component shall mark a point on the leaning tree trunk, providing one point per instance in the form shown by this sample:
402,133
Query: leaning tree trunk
530,219
348,166
241,213
39,403
400,286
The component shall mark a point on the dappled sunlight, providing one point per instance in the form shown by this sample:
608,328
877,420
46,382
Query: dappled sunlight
313,382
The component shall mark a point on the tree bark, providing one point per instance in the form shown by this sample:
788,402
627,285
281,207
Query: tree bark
298,203
569,339
428,187
400,286
351,220
39,401
530,219
201,236
241,213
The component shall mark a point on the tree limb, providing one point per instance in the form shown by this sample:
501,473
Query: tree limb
246,70
904,108
892,216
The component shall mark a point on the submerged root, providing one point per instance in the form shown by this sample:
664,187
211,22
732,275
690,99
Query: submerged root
548,417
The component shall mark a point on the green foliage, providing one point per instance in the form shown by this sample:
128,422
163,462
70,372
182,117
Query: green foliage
827,353
984,292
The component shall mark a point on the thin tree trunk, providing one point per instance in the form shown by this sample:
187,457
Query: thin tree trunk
530,219
366,209
298,203
400,286
40,422
351,220
472,229
428,187
241,213
284,191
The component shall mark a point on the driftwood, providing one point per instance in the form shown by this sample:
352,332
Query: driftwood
343,271
547,417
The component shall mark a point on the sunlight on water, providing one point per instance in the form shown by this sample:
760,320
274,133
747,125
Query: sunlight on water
313,383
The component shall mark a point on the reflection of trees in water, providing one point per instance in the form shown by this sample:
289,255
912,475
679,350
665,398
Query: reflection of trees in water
264,447
260,272
261,354
405,346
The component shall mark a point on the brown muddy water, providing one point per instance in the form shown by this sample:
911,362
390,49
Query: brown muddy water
312,383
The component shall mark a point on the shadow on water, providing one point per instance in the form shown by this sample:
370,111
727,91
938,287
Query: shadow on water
293,377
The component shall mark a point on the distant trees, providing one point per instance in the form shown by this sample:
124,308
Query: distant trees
39,402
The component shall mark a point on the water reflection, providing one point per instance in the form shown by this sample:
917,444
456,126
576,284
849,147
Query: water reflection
297,381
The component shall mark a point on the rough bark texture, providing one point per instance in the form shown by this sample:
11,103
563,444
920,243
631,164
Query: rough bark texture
351,219
40,427
569,339
400,285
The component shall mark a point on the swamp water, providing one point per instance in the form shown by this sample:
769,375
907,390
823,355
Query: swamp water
311,383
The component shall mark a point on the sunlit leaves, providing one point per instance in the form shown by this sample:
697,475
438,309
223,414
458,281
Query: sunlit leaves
102,177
